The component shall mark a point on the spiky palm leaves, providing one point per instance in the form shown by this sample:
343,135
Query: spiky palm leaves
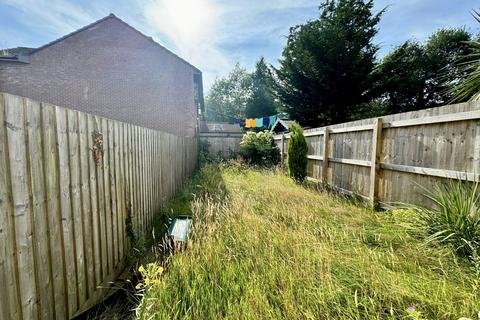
468,87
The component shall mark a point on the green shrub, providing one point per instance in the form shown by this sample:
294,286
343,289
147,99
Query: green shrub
297,153
203,154
455,219
260,148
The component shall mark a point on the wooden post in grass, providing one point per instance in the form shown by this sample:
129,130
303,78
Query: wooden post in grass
282,150
375,160
325,155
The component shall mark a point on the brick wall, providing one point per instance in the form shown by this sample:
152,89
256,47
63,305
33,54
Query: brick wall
111,70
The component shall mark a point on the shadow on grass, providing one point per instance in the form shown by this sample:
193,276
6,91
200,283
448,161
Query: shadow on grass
352,199
207,181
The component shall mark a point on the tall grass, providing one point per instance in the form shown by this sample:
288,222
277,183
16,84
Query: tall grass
455,218
268,248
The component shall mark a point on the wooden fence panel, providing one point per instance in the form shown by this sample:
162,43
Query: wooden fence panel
17,140
68,181
94,206
52,189
107,140
222,145
40,222
8,261
66,211
76,204
85,196
395,158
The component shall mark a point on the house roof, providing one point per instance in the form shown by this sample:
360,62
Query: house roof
217,127
19,51
277,126
11,52
18,54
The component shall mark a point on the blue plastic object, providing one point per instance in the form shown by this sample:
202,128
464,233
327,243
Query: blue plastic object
179,228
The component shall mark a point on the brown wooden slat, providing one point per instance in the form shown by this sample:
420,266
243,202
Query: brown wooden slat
66,210
33,120
10,306
86,197
94,203
76,204
52,188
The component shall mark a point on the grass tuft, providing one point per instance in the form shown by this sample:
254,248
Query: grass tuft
455,218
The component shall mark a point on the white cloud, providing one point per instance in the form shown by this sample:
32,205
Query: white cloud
201,31
199,28
214,34
192,26
55,16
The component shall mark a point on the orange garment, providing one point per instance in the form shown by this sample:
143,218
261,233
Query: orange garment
250,123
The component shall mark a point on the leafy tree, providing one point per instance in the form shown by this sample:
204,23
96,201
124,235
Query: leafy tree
261,102
411,77
444,48
468,86
375,108
401,78
297,153
325,67
227,99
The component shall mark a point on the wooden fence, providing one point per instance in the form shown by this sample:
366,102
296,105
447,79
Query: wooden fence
69,184
222,145
395,158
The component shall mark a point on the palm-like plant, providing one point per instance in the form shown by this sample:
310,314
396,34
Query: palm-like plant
468,87
455,218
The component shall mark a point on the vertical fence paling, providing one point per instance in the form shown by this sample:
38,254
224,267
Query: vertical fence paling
394,158
326,136
63,211
376,158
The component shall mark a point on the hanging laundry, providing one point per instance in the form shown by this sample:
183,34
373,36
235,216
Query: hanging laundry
273,119
266,121
259,122
237,121
250,123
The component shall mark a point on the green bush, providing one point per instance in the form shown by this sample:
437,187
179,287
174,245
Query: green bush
455,219
203,155
260,148
297,153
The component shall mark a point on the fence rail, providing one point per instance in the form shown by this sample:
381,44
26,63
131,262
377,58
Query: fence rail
70,183
395,158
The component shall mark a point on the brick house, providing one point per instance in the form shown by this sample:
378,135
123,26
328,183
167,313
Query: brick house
110,69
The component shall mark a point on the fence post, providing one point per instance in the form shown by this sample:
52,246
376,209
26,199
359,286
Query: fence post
375,160
326,135
282,150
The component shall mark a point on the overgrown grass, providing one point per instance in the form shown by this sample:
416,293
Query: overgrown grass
264,247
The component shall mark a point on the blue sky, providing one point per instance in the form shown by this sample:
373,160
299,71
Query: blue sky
212,34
